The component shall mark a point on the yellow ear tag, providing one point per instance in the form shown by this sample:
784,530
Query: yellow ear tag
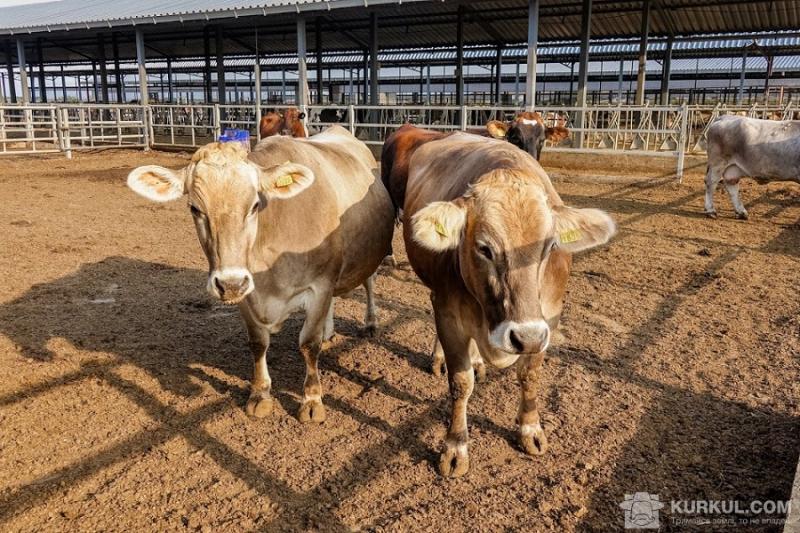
284,181
570,235
439,228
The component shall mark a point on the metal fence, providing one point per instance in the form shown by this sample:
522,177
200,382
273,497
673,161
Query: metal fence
662,131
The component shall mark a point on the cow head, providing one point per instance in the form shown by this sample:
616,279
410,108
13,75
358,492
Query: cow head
504,230
527,132
226,192
290,122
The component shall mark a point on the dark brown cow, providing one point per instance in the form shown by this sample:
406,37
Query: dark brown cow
489,235
527,131
290,122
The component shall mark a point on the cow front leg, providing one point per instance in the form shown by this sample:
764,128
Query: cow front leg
454,460
531,435
438,365
371,316
713,177
312,410
259,404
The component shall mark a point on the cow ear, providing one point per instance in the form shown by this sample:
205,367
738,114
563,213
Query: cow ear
285,181
581,229
158,184
556,134
497,129
439,225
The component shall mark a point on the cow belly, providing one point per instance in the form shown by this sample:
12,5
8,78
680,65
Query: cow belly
366,229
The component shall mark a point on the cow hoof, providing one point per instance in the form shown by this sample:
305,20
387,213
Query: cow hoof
711,214
438,367
370,330
390,261
258,406
311,411
532,439
454,461
742,215
480,371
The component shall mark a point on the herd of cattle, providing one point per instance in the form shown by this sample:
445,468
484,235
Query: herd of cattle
302,219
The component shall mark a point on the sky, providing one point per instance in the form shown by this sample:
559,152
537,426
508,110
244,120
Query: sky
6,3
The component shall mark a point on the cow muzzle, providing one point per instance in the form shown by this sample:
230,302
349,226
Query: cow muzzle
231,285
521,337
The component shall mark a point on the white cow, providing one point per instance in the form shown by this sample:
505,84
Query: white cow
765,150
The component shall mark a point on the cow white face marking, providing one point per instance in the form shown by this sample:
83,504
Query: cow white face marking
226,192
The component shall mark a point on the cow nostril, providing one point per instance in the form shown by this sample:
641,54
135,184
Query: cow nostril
244,284
220,286
516,342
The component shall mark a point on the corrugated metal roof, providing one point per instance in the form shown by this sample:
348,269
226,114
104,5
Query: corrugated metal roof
416,23
66,13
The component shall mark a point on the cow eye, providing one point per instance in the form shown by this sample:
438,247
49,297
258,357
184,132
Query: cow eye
486,251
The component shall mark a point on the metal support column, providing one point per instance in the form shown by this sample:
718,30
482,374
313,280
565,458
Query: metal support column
23,72
207,68
141,61
770,62
302,67
63,85
318,50
101,57
742,77
40,60
666,72
117,73
533,39
220,51
374,97
641,77
12,85
583,66
498,75
365,100
170,81
460,56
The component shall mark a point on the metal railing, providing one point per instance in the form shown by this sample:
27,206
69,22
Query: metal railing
29,129
663,131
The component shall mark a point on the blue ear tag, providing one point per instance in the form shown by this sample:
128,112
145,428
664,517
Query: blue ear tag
233,135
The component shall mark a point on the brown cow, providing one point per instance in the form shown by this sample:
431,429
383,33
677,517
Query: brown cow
489,235
527,131
285,228
290,122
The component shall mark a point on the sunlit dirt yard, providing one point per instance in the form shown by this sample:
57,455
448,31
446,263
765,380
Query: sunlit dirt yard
122,384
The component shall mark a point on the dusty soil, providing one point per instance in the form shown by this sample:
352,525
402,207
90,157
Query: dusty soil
122,384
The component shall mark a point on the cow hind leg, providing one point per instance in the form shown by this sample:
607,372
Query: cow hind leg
259,404
371,315
328,331
731,179
312,409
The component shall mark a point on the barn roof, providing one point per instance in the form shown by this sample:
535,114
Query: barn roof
414,23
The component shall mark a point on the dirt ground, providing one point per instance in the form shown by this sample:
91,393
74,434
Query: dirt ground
122,384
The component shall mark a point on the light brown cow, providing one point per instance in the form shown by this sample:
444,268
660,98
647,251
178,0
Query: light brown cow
285,228
290,122
486,231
